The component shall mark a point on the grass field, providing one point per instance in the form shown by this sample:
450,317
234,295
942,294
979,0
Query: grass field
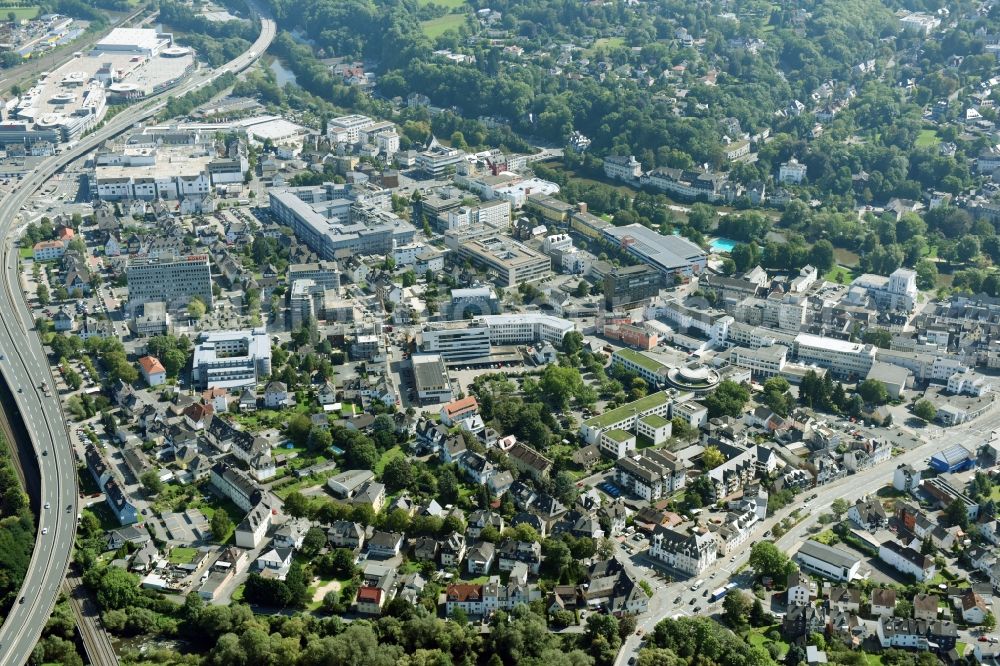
608,43
22,13
927,138
437,27
394,452
756,638
447,4
182,555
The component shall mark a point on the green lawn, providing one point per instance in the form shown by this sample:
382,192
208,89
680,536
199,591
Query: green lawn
437,27
447,4
26,252
927,138
756,638
182,555
238,592
874,659
21,12
394,452
607,43
846,275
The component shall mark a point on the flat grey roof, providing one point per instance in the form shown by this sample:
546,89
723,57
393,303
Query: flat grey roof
828,554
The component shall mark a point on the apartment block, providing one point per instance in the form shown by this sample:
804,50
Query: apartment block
172,280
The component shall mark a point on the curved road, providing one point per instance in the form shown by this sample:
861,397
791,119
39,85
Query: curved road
25,367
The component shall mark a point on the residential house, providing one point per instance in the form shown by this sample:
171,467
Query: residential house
476,467
480,520
385,544
925,606
275,562
800,590
883,602
425,549
291,534
479,558
346,534
512,551
973,607
689,553
452,550
152,371
253,528
845,599
526,459
130,534
868,514
275,395
907,560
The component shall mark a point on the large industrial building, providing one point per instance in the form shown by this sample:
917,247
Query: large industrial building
172,280
231,359
668,254
349,219
166,173
127,65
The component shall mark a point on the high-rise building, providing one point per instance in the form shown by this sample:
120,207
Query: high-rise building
173,280
631,286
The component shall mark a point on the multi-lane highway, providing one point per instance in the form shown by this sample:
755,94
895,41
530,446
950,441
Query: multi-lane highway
25,368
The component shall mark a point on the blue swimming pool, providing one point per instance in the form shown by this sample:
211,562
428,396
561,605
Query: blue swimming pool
722,244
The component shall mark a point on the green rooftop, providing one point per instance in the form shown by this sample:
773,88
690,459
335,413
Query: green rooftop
643,361
621,413
619,435
654,421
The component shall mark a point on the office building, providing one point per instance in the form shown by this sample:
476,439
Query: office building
231,359
172,280
345,219
671,255
324,273
508,262
430,378
439,161
456,341
631,286
626,416
519,329
840,357
896,292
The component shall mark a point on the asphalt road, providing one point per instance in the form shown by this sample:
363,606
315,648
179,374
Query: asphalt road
25,366
851,488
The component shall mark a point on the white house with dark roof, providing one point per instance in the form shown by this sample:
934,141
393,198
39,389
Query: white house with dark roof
689,553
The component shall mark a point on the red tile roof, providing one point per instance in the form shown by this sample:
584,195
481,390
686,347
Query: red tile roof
462,405
151,365
464,592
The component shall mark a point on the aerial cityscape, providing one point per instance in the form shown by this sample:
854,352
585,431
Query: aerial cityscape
364,333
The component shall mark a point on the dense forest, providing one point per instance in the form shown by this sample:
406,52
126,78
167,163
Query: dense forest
17,530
